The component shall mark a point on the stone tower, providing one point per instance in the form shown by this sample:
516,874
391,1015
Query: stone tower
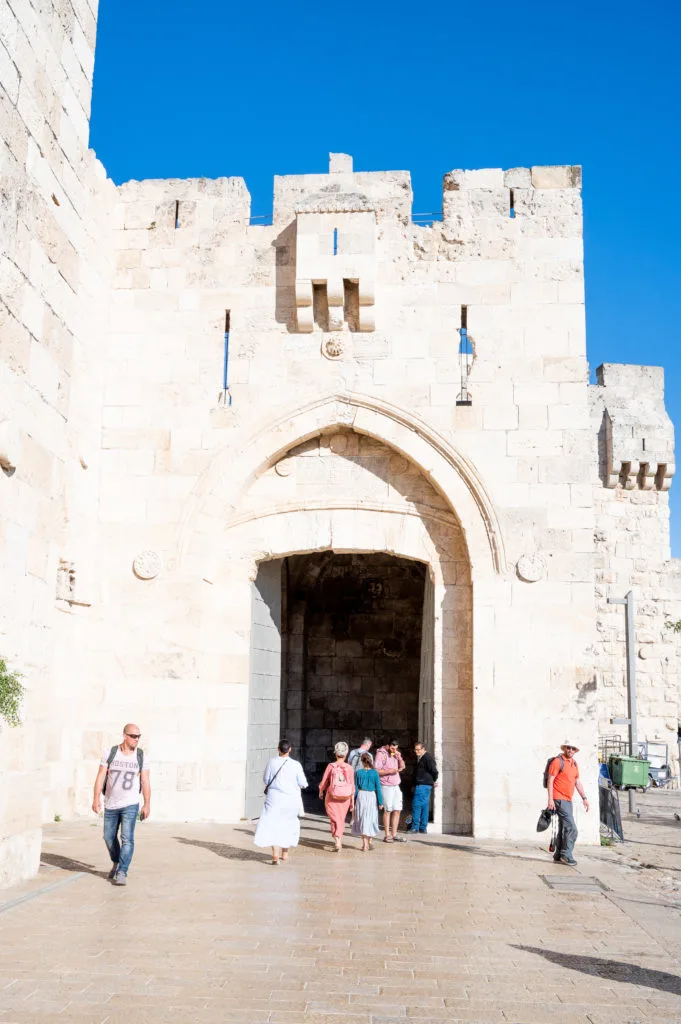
337,473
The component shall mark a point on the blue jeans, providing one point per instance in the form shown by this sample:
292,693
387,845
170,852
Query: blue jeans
567,830
121,852
420,806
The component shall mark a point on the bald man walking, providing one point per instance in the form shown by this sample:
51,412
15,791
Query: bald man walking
122,775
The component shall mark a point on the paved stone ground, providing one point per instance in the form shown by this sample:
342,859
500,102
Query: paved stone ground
440,929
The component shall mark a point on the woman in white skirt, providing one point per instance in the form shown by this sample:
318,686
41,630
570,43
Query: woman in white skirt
368,802
279,826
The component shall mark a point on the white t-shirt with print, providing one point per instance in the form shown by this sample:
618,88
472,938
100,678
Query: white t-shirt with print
122,786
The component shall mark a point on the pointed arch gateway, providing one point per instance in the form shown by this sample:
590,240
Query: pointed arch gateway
351,475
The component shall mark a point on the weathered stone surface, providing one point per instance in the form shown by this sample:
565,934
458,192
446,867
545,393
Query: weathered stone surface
518,177
353,417
19,856
635,463
557,177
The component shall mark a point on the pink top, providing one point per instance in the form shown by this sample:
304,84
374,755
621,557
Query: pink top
383,761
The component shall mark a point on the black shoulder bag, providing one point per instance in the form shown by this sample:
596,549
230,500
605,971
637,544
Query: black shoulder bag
275,775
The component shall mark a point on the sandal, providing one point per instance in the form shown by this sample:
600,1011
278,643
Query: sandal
388,839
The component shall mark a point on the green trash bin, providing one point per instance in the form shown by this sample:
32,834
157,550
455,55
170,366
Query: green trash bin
628,771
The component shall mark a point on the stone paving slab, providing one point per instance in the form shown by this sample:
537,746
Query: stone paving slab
434,930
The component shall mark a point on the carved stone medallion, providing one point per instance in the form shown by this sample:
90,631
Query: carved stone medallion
147,565
531,568
284,467
332,347
338,444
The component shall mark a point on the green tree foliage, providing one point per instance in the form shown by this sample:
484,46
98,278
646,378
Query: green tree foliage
11,695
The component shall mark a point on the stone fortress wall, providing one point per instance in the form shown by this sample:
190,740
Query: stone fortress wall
139,496
634,465
186,253
55,269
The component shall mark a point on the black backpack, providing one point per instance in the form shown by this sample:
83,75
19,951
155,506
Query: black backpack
548,765
112,754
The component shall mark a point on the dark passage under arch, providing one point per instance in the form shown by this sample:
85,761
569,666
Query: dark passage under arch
351,653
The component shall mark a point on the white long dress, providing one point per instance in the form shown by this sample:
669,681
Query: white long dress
279,824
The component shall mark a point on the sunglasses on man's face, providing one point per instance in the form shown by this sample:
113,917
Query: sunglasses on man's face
571,748
133,735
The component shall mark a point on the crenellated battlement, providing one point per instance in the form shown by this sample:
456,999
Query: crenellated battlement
636,436
474,202
548,177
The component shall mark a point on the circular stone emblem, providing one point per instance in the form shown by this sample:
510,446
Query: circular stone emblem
147,565
531,568
332,347
284,467
338,444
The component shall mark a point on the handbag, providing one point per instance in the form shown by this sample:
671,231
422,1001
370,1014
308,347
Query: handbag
274,777
545,819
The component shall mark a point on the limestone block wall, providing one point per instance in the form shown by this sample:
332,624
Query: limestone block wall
162,367
54,286
634,444
506,261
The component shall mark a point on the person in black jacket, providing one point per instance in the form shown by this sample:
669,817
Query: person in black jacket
425,777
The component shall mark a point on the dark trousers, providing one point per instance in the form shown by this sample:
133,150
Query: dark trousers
567,830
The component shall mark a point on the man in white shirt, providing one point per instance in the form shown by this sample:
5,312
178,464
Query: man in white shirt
123,774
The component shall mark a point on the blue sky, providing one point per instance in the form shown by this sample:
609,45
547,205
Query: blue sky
254,90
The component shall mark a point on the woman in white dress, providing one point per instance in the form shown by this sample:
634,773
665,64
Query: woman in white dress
279,826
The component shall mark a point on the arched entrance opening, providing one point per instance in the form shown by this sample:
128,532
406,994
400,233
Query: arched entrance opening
351,474
351,655
361,615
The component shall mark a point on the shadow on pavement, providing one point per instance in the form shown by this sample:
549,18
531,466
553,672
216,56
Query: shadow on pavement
316,844
317,825
56,860
666,821
325,845
671,845
312,844
477,851
223,850
610,969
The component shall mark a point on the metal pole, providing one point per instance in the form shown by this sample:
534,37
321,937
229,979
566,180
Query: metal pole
631,687
628,602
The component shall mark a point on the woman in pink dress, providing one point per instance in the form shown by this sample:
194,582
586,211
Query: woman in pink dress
338,783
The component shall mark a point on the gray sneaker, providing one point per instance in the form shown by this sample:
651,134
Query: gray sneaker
120,878
113,871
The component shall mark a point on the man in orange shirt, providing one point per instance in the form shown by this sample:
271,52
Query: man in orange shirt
563,780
